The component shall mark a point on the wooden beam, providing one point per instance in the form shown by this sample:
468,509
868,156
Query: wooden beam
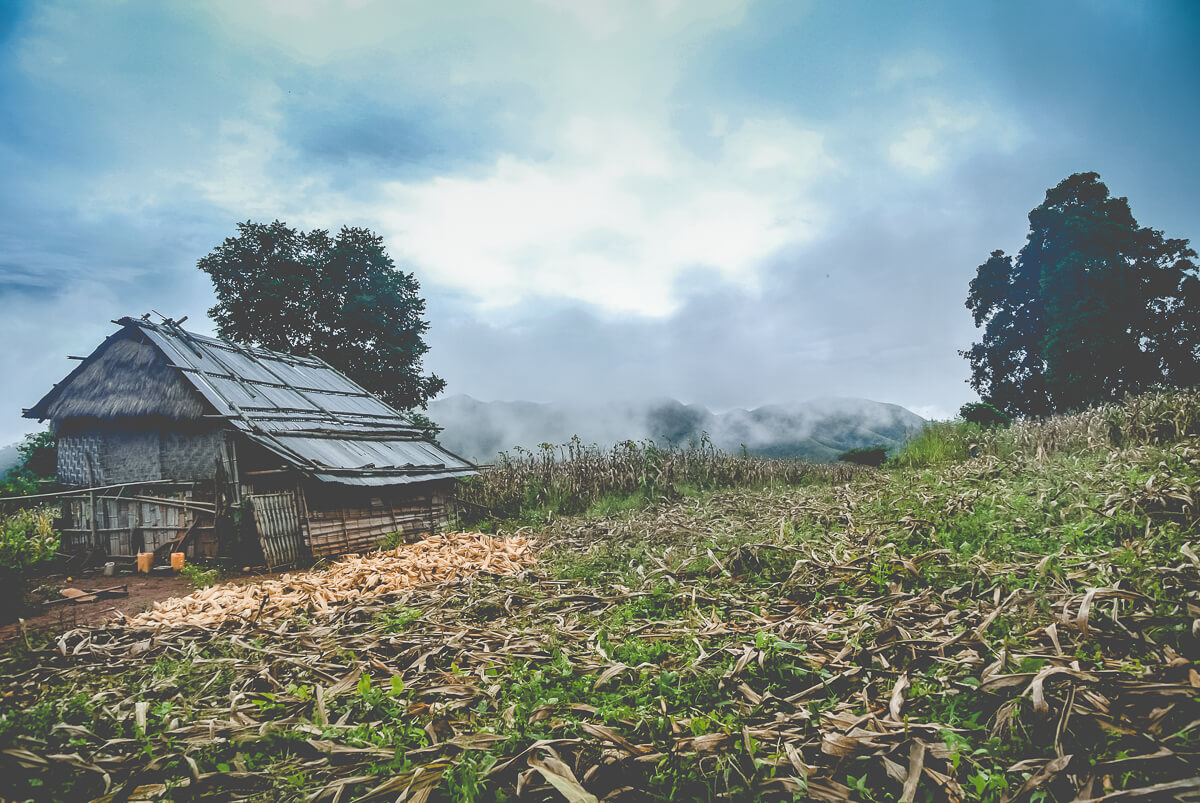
83,492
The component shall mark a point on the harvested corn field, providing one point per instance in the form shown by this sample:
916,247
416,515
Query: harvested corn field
571,478
443,558
1023,626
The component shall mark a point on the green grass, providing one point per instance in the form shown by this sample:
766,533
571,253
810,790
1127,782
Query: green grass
939,443
614,504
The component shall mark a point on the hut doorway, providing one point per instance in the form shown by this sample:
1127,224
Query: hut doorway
277,519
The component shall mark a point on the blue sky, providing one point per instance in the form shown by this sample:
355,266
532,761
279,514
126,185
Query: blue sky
731,202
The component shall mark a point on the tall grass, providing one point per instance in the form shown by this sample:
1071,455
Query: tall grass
939,442
574,478
1149,418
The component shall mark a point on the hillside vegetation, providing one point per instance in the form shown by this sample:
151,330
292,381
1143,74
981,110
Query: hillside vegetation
1010,614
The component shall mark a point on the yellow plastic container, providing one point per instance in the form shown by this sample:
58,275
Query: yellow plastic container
177,561
145,562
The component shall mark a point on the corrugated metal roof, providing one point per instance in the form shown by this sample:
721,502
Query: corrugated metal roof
377,480
267,383
305,411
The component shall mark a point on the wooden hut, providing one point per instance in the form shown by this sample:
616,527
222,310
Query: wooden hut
183,442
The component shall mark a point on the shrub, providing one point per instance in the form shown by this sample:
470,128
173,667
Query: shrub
984,414
27,537
391,540
200,577
865,455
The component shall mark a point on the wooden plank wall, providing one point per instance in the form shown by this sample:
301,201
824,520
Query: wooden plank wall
334,529
124,527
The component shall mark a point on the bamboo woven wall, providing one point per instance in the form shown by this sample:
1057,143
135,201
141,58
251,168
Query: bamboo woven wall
102,455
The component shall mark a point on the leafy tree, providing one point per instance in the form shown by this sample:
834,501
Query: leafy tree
984,414
339,298
37,464
1093,307
38,455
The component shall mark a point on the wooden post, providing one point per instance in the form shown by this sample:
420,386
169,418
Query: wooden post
302,511
92,502
345,530
95,533
234,475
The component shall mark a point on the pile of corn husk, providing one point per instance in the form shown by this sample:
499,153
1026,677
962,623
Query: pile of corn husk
438,559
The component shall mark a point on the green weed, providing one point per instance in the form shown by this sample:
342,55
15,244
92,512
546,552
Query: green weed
200,577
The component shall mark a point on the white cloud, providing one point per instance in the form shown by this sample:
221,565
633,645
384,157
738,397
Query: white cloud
931,412
942,132
613,211
616,217
609,41
907,68
918,150
81,312
637,167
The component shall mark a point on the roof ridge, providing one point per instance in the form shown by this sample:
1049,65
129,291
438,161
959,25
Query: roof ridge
226,345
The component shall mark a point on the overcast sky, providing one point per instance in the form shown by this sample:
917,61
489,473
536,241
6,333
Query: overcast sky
732,203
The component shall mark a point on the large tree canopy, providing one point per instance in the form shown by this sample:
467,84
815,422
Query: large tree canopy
341,299
1093,307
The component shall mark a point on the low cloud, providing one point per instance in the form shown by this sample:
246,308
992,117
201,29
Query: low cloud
816,430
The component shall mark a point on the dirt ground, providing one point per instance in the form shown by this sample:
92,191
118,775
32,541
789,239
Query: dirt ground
143,590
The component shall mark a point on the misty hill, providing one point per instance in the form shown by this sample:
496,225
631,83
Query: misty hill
9,457
816,430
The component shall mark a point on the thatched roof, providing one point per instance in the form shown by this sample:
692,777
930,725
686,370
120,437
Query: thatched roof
127,377
300,408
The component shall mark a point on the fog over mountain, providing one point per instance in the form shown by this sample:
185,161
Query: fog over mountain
819,430
9,456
